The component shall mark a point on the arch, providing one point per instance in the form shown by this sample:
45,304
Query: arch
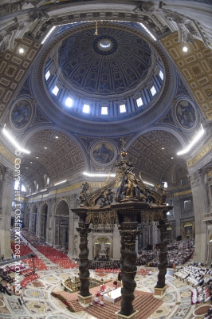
39,128
153,151
62,208
62,224
171,130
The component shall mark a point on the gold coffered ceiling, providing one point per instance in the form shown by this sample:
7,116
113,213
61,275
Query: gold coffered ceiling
57,157
196,67
151,159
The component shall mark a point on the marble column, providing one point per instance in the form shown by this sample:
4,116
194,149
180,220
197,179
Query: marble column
5,214
177,215
116,243
200,208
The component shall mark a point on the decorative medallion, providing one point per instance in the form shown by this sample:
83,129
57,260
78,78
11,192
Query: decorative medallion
185,114
103,153
21,114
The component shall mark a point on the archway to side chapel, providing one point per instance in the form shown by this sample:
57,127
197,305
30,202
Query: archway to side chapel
62,224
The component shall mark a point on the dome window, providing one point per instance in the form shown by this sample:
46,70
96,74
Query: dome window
153,90
122,108
55,90
139,102
47,75
86,108
23,188
104,110
161,75
69,102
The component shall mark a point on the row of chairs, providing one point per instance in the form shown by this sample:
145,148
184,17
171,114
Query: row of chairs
27,280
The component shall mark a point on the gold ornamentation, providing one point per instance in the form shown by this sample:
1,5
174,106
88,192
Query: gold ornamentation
204,150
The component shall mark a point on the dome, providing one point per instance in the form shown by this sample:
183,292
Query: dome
112,62
109,73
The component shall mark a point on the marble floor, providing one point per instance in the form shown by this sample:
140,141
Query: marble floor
39,303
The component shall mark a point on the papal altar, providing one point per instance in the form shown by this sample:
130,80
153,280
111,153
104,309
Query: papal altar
113,295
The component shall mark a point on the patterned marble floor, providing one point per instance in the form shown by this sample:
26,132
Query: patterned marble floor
39,304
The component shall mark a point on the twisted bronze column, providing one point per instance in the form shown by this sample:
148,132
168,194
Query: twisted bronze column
162,267
128,271
122,248
83,261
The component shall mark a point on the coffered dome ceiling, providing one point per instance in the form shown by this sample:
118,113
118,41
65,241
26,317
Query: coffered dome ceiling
121,66
112,62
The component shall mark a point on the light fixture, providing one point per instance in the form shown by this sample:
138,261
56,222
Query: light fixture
185,49
45,147
98,175
96,31
172,157
21,50
60,182
43,190
195,140
30,162
56,136
13,141
162,148
37,157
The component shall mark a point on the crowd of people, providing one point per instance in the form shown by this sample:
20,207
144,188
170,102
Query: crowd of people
178,252
200,278
112,264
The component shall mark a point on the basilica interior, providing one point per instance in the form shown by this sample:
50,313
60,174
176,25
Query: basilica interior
106,104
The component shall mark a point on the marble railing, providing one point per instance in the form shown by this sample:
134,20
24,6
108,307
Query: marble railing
207,217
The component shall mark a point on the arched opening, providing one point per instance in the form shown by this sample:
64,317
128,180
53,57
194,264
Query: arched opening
62,224
43,221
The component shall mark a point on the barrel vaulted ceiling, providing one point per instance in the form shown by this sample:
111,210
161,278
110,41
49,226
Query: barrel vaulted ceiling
115,67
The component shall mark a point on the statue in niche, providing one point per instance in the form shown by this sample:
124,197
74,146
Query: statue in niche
103,153
21,114
186,114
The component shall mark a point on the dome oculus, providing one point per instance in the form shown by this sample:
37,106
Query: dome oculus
105,45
